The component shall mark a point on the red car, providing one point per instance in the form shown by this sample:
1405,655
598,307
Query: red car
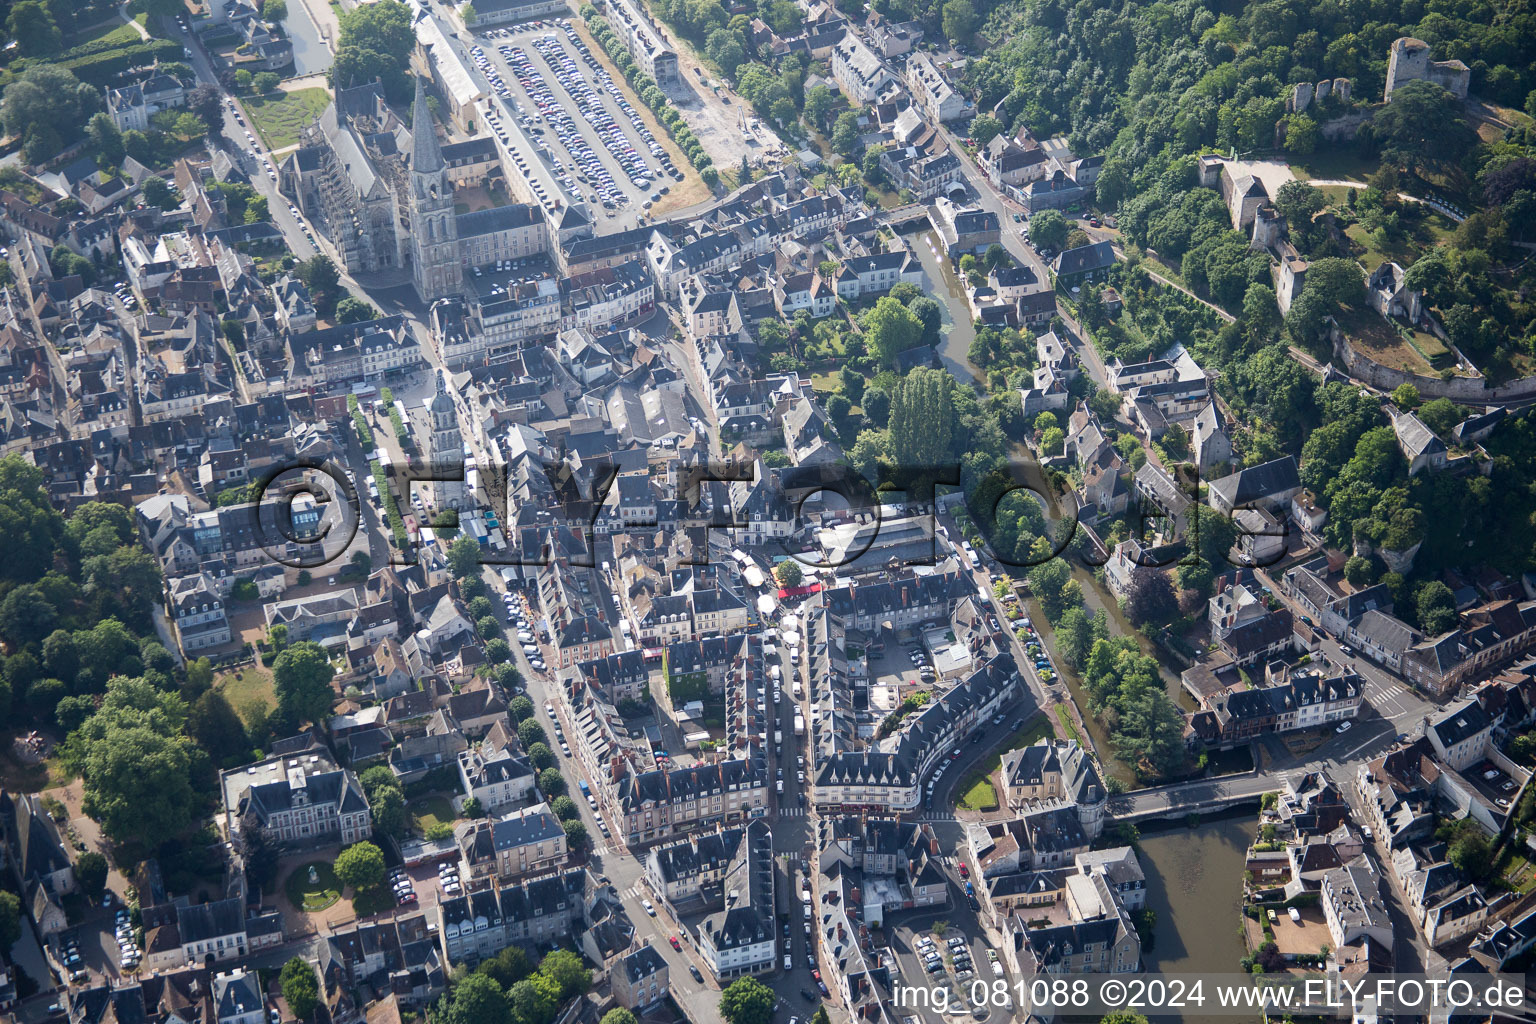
965,872
677,945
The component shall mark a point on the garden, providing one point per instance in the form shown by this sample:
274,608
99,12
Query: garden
279,117
312,887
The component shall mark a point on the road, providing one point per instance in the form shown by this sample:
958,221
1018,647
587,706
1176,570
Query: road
989,199
249,154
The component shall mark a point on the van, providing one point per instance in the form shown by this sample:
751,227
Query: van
1294,914
789,963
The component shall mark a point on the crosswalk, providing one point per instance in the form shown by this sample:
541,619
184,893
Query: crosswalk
792,812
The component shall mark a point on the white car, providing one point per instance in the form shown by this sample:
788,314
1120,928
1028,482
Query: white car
649,907
1344,727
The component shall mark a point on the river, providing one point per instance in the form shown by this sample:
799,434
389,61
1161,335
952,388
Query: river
958,331
1195,883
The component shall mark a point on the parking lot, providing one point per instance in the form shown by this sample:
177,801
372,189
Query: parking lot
1494,784
585,131
954,961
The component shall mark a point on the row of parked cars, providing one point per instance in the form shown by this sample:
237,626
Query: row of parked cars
404,890
525,636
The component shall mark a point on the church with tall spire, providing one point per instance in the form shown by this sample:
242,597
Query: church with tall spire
383,192
435,260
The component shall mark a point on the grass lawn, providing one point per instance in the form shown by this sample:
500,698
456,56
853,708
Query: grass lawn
1067,723
1423,235
1035,729
313,896
981,796
1376,336
427,811
1519,874
246,689
1341,163
112,31
279,117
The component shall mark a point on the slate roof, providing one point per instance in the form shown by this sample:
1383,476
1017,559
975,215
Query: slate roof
1258,482
1085,259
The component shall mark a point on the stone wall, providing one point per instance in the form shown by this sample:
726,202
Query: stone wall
1466,390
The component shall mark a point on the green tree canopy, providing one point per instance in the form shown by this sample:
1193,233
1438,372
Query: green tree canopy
302,674
747,1001
361,866
300,988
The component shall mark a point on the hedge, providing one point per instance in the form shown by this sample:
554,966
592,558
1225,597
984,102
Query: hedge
100,68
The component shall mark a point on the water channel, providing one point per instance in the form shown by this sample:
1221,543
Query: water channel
1195,883
958,330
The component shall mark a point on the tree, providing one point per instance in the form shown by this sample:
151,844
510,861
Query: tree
106,140
10,919
890,328
564,808
789,574
747,1001
26,616
959,21
265,82
818,103
91,873
1298,202
566,970
1261,314
541,756
845,134
521,709
1471,854
1423,126
138,779
464,558
34,29
1048,580
1359,571
618,1016
1436,606
301,990
388,806
361,866
469,14
1150,599
217,729
534,999
478,999
48,95
930,314
385,27
575,834
551,782
1301,134
508,967
1406,397
530,732
302,675
1048,230
985,128
158,193
243,80
352,311
274,10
